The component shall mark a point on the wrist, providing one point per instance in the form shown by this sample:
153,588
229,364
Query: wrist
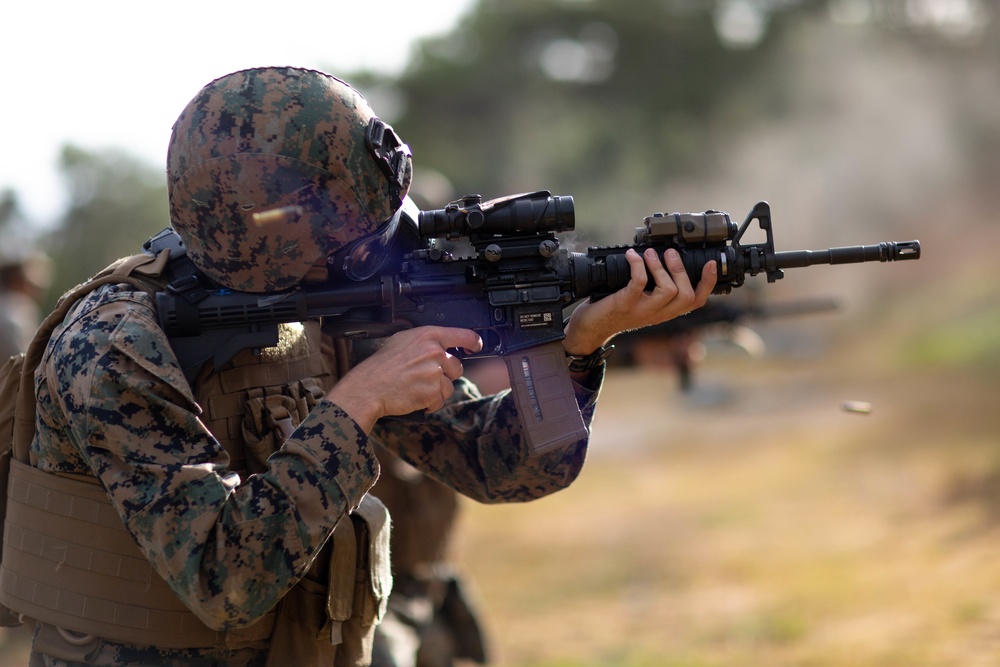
360,408
584,363
579,344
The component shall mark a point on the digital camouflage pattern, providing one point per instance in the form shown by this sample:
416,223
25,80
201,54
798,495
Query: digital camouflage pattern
111,399
113,402
276,139
115,655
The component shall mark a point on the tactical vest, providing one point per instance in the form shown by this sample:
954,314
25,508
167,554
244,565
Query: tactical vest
69,564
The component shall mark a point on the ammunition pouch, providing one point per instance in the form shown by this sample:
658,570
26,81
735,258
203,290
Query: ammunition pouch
269,417
335,624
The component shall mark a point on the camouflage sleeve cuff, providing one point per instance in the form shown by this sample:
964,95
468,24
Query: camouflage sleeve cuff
338,445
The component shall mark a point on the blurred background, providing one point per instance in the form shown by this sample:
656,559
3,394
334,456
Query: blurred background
742,515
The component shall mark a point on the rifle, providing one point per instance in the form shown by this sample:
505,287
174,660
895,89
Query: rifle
513,290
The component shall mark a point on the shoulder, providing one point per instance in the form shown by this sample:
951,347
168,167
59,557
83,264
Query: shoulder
95,316
111,317
110,355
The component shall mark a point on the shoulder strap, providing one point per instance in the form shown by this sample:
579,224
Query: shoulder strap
123,271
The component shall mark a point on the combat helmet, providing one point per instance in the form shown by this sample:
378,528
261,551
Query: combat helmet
271,170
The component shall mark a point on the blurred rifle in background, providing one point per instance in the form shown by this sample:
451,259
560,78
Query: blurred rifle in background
678,343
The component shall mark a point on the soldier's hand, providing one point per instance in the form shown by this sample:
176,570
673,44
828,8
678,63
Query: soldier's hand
412,371
634,307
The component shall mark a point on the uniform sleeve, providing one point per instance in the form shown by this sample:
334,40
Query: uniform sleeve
475,445
229,547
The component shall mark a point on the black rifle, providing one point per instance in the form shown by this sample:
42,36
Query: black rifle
512,289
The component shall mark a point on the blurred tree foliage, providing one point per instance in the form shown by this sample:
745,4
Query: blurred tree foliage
116,202
10,210
602,99
612,100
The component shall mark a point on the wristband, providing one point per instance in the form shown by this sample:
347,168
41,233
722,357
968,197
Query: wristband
584,363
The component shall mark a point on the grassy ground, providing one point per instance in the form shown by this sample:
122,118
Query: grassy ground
772,529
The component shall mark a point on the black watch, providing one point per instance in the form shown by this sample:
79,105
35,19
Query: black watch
584,363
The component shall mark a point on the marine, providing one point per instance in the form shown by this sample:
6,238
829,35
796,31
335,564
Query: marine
223,517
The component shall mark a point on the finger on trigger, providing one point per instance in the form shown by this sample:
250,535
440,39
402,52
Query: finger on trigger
455,338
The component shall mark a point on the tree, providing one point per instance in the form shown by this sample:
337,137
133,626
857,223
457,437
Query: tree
608,99
116,202
10,210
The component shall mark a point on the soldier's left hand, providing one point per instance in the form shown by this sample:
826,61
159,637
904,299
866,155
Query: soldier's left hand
633,306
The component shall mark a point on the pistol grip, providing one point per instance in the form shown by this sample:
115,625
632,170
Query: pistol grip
544,396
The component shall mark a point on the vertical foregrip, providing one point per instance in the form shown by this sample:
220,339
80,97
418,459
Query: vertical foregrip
543,393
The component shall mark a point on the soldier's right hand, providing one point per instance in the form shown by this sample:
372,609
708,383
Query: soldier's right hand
412,371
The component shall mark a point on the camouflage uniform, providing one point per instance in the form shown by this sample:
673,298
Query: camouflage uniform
113,402
270,172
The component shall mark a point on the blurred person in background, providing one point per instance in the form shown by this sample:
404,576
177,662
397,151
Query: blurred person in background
24,279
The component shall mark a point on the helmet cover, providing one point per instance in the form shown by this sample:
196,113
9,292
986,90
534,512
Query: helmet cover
270,170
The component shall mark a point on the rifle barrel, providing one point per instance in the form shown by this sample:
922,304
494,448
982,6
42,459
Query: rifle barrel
889,251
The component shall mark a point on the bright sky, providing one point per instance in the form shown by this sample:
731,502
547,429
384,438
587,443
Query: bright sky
116,73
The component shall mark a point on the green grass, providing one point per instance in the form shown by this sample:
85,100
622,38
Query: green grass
972,341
